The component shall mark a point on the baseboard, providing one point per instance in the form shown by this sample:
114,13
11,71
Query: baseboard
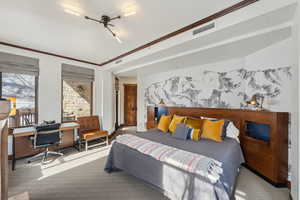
288,184
22,196
122,125
125,125
278,185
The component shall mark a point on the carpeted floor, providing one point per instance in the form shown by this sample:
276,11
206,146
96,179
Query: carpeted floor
80,176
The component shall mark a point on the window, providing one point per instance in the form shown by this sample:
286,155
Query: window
21,90
18,83
77,99
77,92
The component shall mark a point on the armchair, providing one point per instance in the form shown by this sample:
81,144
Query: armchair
90,130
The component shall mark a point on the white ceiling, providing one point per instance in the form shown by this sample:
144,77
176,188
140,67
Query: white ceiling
227,42
231,50
44,25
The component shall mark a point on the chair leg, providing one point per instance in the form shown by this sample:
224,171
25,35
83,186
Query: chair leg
79,144
34,158
86,145
45,156
107,141
55,153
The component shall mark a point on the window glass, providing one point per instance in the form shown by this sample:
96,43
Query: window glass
77,99
20,89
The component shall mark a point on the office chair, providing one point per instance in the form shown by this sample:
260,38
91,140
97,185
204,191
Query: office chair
46,136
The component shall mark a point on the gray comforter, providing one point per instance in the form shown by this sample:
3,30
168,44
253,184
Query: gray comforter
174,182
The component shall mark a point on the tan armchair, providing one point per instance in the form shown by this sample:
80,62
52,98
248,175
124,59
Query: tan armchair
90,130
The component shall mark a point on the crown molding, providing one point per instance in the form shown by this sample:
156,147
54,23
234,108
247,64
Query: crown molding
212,17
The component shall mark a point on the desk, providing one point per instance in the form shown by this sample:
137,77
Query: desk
23,133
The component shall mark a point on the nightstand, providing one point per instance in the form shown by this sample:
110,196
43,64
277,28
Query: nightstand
151,125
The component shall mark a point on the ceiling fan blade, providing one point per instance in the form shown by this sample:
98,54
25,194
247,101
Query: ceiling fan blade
92,19
111,31
117,17
111,25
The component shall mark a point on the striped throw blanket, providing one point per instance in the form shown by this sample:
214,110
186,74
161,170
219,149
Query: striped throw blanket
191,162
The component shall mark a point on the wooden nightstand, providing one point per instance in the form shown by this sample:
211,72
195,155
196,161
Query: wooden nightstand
151,125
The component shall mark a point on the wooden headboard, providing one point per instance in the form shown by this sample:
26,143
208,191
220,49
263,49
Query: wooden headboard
269,159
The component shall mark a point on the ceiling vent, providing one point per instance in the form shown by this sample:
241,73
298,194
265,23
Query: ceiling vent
204,28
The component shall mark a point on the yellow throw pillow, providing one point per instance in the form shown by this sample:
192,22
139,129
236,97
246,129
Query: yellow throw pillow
194,134
176,120
164,123
212,130
193,123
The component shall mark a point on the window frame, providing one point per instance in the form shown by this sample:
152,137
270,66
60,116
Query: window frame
36,93
62,101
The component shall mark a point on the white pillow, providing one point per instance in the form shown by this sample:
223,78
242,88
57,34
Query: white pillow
232,131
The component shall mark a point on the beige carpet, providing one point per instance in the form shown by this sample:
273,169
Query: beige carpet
80,176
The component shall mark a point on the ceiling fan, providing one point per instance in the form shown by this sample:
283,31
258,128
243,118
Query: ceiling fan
106,21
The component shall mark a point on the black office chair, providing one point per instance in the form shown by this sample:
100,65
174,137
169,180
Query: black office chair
46,136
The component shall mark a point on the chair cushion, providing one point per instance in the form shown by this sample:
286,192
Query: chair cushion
89,123
94,134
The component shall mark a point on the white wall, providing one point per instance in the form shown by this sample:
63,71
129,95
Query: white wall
280,55
295,179
107,102
49,87
273,57
49,91
144,80
141,110
122,81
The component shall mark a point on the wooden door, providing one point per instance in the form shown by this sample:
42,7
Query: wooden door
130,104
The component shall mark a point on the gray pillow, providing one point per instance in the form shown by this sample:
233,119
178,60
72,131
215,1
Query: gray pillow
181,132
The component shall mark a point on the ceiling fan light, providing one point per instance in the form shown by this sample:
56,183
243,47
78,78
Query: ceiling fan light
72,12
127,14
118,39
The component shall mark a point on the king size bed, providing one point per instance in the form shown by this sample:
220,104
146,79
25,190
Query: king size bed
216,174
176,182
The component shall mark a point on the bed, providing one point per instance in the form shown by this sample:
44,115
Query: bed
174,182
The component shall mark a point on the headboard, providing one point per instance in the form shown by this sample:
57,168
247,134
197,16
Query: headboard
267,158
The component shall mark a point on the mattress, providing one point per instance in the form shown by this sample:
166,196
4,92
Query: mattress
176,183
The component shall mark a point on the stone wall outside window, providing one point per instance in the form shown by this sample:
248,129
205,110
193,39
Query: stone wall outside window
77,99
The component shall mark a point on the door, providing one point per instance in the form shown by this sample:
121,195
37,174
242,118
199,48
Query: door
130,104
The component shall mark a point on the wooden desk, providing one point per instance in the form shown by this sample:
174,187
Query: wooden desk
22,146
